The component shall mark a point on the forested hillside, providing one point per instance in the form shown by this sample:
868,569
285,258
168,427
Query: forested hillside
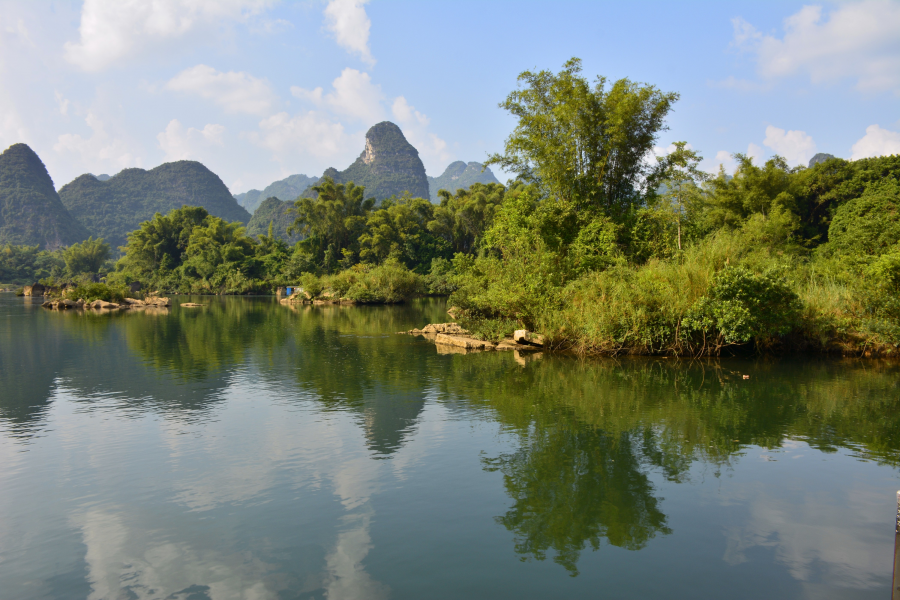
31,212
459,175
111,209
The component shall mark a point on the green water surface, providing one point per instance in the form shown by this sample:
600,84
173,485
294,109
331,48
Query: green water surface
251,450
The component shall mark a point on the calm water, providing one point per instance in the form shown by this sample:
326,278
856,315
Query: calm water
250,450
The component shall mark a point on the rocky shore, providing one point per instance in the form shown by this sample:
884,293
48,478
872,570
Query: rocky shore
126,304
449,336
303,299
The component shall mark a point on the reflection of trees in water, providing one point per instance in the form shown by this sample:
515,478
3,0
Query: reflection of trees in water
590,431
572,486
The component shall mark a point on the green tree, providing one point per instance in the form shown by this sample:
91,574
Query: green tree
399,230
160,243
462,219
583,144
680,174
86,257
332,221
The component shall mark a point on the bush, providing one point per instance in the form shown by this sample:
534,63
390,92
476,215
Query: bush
389,283
97,291
742,306
311,284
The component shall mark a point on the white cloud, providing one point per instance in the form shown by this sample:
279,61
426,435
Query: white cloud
112,31
857,40
348,20
432,149
181,144
756,153
795,146
234,91
726,160
354,95
61,103
876,142
100,152
305,134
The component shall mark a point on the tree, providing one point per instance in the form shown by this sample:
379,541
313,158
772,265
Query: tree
87,256
399,230
680,172
160,243
581,144
462,219
333,220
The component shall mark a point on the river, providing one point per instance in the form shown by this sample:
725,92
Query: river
247,449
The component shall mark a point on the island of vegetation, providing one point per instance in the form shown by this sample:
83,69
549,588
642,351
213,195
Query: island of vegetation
591,247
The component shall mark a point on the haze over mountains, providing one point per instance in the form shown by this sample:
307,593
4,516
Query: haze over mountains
285,189
32,212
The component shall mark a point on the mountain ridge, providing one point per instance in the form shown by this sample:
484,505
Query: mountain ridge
31,211
117,206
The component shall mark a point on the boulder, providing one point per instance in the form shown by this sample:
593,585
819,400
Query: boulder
448,328
523,336
97,303
35,289
463,342
133,302
509,344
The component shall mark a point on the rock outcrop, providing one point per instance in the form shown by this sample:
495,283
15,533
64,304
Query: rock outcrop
388,166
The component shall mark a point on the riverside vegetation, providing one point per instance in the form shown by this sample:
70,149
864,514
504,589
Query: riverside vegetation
592,245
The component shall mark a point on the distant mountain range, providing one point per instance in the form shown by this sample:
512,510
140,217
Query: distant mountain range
111,209
460,175
30,209
286,189
32,212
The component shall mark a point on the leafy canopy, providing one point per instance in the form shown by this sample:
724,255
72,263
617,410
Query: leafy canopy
583,144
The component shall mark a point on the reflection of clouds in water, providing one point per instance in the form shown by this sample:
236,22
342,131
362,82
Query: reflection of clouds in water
834,542
122,563
346,579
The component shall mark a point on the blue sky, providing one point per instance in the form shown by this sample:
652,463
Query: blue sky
260,89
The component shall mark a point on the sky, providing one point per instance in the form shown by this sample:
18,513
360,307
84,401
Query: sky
261,89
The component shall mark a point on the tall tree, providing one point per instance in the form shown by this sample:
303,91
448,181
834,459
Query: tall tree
582,144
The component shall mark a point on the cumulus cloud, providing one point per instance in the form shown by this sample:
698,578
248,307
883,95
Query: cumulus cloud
353,95
180,144
100,152
756,153
795,146
348,21
61,103
726,160
857,40
432,149
234,91
112,31
305,134
876,142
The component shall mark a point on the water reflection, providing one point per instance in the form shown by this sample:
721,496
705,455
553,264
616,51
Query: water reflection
244,449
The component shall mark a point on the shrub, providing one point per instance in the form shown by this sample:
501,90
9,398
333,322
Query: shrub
742,306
